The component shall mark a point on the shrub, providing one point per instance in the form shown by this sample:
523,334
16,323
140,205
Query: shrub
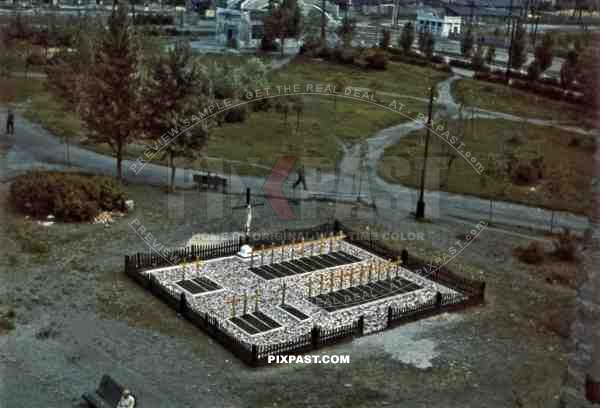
67,196
438,59
376,60
526,172
533,71
565,246
344,55
532,253
235,115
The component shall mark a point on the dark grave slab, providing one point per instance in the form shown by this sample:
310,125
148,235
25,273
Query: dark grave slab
294,266
262,273
266,319
324,260
248,318
309,267
273,271
244,326
191,287
282,269
362,294
294,312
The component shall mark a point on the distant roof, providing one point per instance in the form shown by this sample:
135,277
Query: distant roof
458,10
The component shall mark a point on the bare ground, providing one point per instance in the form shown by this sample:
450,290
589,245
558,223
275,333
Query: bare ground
78,316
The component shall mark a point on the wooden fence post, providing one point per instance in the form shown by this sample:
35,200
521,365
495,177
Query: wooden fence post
182,304
361,325
315,334
438,300
389,316
254,357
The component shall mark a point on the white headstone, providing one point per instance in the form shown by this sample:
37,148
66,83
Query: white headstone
245,251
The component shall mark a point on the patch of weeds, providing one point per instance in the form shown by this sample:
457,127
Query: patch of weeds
49,332
565,246
531,254
7,320
33,239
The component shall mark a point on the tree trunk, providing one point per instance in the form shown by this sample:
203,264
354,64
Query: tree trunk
120,161
173,168
282,45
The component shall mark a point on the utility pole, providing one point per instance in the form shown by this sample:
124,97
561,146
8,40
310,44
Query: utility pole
421,203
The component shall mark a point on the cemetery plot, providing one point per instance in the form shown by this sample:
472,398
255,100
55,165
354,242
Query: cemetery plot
294,312
304,265
198,285
255,323
361,294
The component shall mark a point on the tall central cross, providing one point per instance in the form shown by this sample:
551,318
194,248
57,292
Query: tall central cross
248,207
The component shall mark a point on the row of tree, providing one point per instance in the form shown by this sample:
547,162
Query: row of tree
122,94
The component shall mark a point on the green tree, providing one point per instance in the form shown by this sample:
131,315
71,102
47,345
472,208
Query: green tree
543,52
386,39
588,68
568,70
478,60
426,43
346,30
407,38
467,43
534,71
312,27
170,99
490,55
112,88
284,21
519,48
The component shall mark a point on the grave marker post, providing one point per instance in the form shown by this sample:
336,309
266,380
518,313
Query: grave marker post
232,301
331,281
310,287
321,284
272,251
256,299
245,302
262,254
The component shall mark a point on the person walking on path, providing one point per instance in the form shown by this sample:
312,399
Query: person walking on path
10,123
301,178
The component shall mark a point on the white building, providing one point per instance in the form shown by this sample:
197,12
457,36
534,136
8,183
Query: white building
438,22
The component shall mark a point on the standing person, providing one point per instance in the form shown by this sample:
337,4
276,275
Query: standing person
10,122
301,178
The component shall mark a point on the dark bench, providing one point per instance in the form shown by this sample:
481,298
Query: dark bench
210,182
107,395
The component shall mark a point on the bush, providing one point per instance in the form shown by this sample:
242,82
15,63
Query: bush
67,196
532,253
235,115
533,71
565,246
344,55
376,60
527,172
438,59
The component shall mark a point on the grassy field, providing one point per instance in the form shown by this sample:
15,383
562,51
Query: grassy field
566,172
267,135
19,89
502,98
402,79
